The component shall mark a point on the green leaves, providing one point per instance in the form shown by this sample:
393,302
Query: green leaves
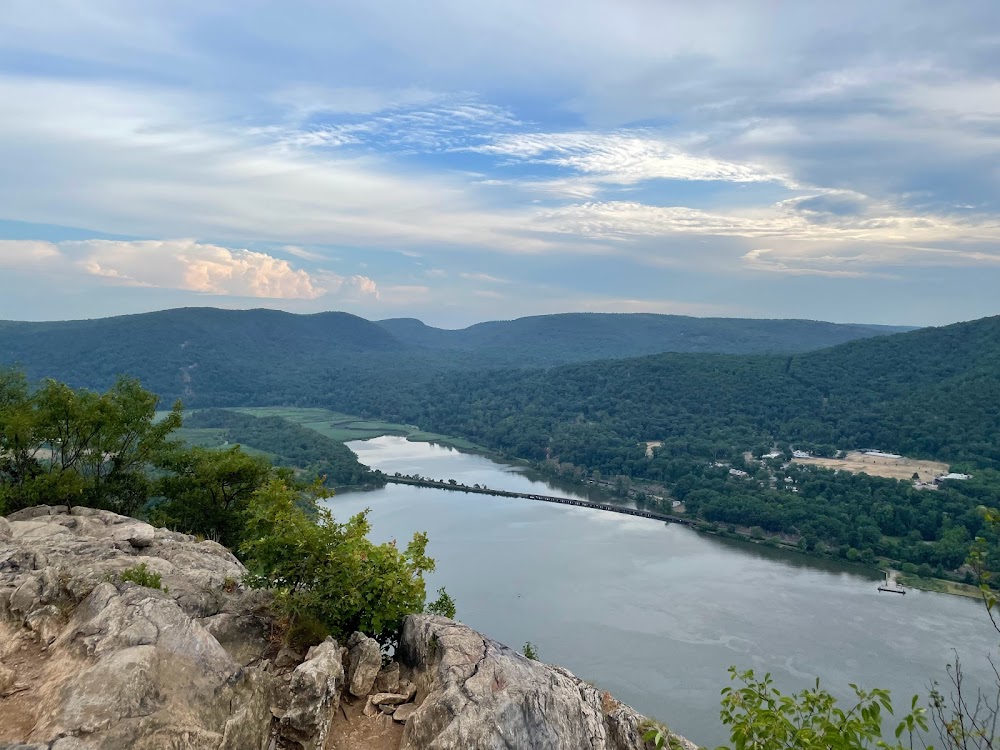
330,571
444,605
208,492
59,445
762,718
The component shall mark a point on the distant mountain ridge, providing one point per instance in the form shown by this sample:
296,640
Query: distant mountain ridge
576,337
209,356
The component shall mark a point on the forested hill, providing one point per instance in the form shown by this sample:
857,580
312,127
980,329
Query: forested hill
933,392
575,337
209,356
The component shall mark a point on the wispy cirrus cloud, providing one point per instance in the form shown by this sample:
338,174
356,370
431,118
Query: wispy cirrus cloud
623,157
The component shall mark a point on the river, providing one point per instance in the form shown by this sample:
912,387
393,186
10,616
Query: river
656,613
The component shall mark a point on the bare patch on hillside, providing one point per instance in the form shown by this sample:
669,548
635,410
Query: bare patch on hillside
879,466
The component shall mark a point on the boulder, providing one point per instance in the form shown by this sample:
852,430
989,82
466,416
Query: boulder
480,693
125,666
7,679
5,530
404,712
315,689
388,699
388,679
365,662
138,534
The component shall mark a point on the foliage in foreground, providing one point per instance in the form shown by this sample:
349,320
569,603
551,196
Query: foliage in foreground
62,446
760,717
329,572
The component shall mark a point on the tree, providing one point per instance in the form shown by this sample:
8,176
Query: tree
208,492
65,446
328,572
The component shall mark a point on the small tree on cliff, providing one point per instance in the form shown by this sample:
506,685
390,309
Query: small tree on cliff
330,573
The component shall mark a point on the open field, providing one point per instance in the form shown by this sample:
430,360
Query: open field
345,427
876,466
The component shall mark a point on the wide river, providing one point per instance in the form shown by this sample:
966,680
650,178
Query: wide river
655,613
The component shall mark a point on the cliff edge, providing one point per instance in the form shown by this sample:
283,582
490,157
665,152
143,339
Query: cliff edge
91,660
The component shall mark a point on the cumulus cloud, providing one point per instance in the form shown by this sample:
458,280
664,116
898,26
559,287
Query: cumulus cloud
22,254
195,267
182,264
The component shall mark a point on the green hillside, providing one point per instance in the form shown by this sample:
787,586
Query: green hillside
575,337
933,392
211,357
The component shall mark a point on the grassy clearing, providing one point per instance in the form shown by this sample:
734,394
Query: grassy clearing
941,586
345,427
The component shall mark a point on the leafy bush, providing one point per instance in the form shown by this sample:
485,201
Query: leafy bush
143,576
530,650
444,605
329,571
207,492
762,718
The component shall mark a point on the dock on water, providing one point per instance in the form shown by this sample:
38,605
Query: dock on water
891,585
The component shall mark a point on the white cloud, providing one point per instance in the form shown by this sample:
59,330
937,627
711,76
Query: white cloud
624,158
300,252
483,277
22,254
184,265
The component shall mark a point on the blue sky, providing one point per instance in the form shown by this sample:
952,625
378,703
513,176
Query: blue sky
459,161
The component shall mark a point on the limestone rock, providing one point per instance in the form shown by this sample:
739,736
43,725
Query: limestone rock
388,699
126,666
315,688
388,679
7,679
404,712
244,636
365,661
287,658
480,693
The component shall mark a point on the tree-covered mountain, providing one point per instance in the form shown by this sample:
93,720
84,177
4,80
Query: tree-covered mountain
228,357
933,392
203,355
576,337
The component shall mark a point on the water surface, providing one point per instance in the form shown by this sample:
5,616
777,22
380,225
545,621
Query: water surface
656,613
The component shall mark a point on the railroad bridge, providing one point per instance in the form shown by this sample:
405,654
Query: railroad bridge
543,498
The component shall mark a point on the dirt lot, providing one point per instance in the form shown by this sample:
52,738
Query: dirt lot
891,468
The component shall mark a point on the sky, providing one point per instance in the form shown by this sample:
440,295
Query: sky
458,162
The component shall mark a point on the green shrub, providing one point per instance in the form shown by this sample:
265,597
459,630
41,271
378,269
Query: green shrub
444,605
530,650
143,576
762,718
331,572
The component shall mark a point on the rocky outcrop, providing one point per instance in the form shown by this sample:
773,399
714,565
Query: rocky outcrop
90,661
315,687
476,693
111,664
365,659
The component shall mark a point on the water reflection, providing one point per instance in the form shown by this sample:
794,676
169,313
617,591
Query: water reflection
656,613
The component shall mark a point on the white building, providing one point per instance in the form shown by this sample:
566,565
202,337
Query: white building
801,454
880,454
953,475
738,473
